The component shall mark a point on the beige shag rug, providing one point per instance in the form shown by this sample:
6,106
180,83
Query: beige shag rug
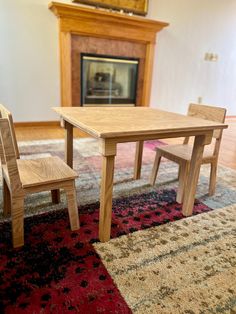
186,267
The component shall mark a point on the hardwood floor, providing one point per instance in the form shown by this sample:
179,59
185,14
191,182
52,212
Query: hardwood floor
28,133
228,148
227,155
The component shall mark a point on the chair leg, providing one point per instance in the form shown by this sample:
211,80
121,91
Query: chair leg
6,199
17,214
183,173
155,168
179,172
72,206
212,185
55,194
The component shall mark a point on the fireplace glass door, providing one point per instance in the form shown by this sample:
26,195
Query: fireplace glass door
108,80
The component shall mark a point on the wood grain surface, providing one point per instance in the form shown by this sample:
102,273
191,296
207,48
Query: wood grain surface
44,171
125,122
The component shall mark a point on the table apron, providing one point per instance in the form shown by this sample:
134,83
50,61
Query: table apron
146,137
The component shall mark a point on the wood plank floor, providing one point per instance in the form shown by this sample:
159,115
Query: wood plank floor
227,153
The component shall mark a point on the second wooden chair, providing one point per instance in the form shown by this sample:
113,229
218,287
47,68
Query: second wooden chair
181,154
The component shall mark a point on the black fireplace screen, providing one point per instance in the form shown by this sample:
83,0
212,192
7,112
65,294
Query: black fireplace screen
108,80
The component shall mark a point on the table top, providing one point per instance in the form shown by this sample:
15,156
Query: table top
111,122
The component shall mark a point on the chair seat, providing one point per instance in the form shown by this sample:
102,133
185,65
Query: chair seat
184,152
44,171
36,172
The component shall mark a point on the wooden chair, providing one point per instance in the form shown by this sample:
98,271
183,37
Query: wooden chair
22,177
182,153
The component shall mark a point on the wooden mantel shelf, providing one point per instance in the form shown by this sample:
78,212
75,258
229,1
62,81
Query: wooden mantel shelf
105,23
86,30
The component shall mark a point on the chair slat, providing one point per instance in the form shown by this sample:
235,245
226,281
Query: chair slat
211,113
4,113
9,155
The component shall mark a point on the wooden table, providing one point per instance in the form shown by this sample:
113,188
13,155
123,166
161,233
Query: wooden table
136,124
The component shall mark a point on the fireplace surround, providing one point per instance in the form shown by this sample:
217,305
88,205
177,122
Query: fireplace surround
85,31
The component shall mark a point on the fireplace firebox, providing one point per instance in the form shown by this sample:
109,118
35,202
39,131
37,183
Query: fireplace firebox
108,81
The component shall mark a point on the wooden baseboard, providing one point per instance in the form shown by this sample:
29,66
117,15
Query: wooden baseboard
37,124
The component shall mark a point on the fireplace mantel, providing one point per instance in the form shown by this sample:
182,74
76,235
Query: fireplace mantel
80,21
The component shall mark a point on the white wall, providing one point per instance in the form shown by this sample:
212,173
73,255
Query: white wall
181,74
29,59
29,56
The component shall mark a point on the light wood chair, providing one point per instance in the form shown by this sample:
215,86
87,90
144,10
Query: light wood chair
181,154
22,177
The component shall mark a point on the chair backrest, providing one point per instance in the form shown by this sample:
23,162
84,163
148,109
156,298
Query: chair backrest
211,113
4,113
9,156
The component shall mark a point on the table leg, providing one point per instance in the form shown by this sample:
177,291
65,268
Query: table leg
105,213
68,143
193,174
138,160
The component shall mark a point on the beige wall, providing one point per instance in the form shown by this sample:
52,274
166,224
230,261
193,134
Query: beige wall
29,60
181,74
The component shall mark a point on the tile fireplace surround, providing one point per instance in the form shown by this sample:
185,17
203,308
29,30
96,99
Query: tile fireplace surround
95,31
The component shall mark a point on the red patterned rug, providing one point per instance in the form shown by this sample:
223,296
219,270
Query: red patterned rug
58,271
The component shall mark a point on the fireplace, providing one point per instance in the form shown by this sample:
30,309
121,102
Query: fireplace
99,32
108,80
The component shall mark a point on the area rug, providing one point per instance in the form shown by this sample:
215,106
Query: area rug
87,162
59,271
187,266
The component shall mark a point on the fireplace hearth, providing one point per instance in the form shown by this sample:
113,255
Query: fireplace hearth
108,80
